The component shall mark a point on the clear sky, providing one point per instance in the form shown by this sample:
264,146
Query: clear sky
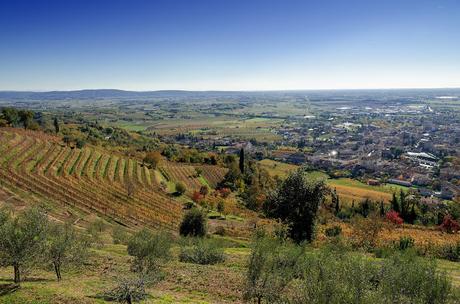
229,44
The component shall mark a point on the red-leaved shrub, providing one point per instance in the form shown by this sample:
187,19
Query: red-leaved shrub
393,217
449,225
224,192
197,197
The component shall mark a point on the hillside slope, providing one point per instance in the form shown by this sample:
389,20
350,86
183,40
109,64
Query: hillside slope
89,180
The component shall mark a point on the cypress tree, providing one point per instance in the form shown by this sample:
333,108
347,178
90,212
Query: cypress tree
242,161
56,125
395,203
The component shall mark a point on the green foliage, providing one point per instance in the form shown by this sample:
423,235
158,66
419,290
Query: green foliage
180,188
220,206
56,125
296,203
150,251
194,223
271,266
333,231
22,240
241,161
202,251
449,252
153,159
120,235
406,242
65,246
282,273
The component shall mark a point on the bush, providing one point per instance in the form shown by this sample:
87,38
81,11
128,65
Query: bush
333,231
393,217
193,224
449,225
150,251
449,252
119,235
280,273
202,251
220,230
406,242
180,188
128,290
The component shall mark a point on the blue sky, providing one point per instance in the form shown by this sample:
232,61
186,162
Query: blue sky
229,44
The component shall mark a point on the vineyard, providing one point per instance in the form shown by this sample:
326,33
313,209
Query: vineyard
188,175
89,180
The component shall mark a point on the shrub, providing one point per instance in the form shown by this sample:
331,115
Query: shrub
153,159
197,197
128,290
149,250
271,266
449,225
449,252
119,235
344,214
279,273
193,223
224,192
220,230
406,242
333,231
180,188
393,217
203,252
366,231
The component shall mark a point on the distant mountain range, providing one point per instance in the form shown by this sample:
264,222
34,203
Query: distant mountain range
121,94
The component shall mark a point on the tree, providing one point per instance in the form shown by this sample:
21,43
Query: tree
56,125
65,246
11,116
404,205
26,118
180,188
270,269
382,209
241,163
335,201
193,223
296,203
153,159
22,240
394,203
150,251
204,190
221,206
130,187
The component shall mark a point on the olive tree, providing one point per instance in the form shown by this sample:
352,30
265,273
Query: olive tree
22,239
65,246
149,250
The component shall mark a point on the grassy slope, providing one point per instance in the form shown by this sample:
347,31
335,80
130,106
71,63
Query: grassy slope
184,282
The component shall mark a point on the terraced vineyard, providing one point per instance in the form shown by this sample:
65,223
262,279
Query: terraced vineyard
187,174
90,180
